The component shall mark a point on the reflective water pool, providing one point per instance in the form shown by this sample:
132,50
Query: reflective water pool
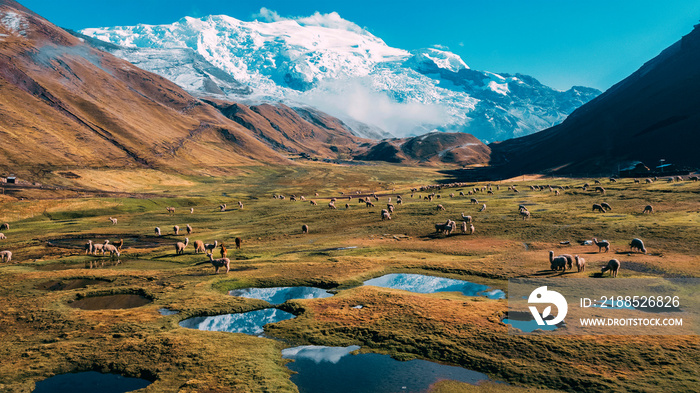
279,295
430,284
319,367
251,322
89,382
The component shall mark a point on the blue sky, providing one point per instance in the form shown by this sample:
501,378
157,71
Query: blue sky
562,43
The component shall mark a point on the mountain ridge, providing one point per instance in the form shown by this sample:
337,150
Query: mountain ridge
338,70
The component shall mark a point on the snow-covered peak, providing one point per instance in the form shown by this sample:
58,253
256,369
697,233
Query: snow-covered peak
284,52
331,64
433,57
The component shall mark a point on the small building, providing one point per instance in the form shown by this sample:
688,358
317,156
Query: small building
11,180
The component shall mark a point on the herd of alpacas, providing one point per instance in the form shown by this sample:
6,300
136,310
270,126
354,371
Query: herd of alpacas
425,193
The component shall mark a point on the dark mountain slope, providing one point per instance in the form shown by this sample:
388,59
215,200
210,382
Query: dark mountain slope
653,114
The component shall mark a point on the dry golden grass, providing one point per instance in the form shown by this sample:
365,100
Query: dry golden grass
42,336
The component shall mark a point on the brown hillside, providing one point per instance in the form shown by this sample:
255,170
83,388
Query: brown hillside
63,103
437,147
294,131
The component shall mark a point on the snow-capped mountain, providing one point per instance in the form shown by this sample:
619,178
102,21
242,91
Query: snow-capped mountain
326,62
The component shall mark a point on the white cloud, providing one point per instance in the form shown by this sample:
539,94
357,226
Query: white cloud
356,99
331,20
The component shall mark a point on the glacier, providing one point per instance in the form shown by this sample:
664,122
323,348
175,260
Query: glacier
343,70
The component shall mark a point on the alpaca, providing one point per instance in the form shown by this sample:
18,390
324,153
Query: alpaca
569,260
111,249
385,215
598,207
304,228
606,206
114,220
120,244
98,247
468,219
224,251
240,204
347,205
314,203
580,263
191,210
369,204
5,225
2,236
613,265
189,229
483,207
603,244
648,209
210,247
157,231
5,256
638,244
238,242
474,201
217,263
198,246
600,189
439,207
88,247
471,229
525,213
170,209
176,229
222,207
331,205
557,263
180,246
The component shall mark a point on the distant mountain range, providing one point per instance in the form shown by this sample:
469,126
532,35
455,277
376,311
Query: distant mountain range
651,115
66,104
337,67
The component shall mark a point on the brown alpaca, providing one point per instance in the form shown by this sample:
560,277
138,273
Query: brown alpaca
238,243
119,245
224,251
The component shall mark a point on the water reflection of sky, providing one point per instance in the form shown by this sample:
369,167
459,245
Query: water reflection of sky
527,326
279,295
430,284
251,322
323,369
165,311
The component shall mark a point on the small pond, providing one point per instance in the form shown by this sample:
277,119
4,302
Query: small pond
251,322
430,284
167,311
523,321
279,295
110,302
319,367
89,382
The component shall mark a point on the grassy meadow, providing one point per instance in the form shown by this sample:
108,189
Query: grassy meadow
41,335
